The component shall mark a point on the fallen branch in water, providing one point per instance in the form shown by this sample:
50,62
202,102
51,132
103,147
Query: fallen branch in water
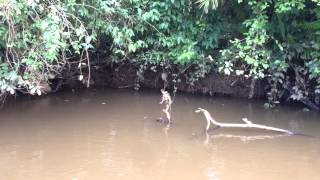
166,99
248,138
248,124
242,138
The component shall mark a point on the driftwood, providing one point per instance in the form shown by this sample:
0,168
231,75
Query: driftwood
166,99
247,124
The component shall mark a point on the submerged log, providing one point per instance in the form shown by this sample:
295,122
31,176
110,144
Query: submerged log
247,124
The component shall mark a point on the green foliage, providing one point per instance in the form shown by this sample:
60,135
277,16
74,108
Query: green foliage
277,40
281,43
174,29
37,37
208,4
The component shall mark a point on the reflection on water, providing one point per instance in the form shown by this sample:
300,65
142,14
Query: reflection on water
113,134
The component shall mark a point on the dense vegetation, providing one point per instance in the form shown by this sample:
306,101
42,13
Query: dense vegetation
277,40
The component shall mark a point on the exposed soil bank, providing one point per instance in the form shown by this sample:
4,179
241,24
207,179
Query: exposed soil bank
125,76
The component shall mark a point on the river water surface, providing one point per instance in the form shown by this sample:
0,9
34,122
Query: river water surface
113,134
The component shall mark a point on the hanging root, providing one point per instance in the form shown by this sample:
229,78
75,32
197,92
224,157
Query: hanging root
247,124
3,97
166,99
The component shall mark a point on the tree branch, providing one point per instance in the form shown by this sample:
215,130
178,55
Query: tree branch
247,124
166,99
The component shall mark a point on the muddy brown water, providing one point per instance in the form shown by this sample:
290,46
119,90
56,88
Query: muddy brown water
113,134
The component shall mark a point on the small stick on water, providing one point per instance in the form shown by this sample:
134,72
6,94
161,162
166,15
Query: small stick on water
248,124
166,99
